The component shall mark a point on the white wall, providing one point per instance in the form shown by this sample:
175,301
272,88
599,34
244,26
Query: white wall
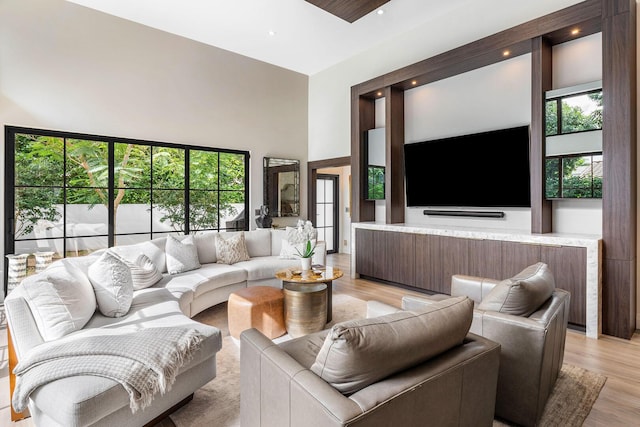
66,67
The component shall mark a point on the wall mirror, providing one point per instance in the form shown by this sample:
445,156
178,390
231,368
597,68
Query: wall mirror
282,186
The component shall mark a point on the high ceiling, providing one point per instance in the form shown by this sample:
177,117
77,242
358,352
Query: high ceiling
299,36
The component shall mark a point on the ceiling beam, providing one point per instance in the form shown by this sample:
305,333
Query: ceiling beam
351,10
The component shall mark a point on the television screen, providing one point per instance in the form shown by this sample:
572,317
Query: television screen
488,169
375,183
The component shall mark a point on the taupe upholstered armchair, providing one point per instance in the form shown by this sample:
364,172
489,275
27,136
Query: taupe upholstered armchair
405,369
532,343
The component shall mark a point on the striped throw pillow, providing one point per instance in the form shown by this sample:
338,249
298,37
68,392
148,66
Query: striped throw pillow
144,272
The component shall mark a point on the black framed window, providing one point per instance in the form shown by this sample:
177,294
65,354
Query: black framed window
576,176
573,113
72,194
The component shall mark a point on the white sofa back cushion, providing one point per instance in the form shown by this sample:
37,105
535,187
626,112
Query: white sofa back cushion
206,245
258,242
111,280
61,299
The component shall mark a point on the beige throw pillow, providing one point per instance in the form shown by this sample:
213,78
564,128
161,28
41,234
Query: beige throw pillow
231,249
522,294
358,353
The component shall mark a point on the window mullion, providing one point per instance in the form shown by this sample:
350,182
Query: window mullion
110,194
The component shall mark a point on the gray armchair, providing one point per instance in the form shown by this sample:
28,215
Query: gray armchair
532,345
281,385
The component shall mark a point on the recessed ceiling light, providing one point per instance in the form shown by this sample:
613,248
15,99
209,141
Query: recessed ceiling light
575,31
272,33
506,53
379,93
413,82
380,12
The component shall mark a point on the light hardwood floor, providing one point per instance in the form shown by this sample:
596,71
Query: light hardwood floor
617,405
617,359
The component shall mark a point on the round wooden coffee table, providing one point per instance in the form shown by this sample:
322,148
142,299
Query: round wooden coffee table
307,297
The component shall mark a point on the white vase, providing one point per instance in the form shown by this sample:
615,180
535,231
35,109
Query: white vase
43,260
17,270
305,263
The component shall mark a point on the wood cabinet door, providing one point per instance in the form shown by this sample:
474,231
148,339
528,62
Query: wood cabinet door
517,256
399,264
569,267
365,258
485,259
428,262
454,260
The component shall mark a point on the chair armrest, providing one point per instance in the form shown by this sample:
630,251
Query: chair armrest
410,302
377,308
277,390
474,287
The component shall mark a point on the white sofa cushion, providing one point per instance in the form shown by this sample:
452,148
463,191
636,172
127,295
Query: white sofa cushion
61,299
204,279
258,242
144,273
265,267
181,255
154,249
111,280
231,248
206,244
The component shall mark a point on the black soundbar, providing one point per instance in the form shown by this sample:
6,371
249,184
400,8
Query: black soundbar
476,214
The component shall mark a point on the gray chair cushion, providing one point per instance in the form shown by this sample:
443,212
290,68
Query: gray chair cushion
361,352
522,294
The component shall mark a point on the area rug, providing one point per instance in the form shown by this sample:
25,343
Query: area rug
218,402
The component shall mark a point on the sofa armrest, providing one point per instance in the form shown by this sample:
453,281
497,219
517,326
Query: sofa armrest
474,287
277,390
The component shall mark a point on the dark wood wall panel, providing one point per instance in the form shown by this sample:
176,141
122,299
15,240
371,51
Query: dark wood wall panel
394,160
568,267
541,72
485,258
362,119
619,193
618,314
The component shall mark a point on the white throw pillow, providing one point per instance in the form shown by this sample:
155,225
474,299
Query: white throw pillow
181,255
61,299
111,280
144,272
231,249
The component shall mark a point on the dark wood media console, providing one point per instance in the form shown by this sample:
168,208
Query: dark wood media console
427,259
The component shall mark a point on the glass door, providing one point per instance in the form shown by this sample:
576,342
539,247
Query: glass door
327,205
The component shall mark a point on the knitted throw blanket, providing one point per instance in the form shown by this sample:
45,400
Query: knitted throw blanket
144,362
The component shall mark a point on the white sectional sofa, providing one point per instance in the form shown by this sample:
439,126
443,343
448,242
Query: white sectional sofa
97,401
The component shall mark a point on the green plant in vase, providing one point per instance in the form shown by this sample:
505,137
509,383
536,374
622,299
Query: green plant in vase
308,250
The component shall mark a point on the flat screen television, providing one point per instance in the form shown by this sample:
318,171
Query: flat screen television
488,169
